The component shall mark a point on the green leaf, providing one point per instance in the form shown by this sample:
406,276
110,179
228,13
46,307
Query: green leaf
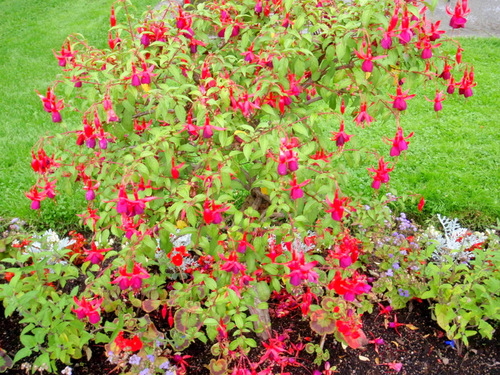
23,353
211,283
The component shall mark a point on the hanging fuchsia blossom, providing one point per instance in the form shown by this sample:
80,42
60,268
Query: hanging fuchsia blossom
338,206
399,100
437,101
232,264
467,83
36,197
363,117
381,175
212,212
132,279
88,309
341,137
295,188
346,250
300,270
65,56
131,207
458,19
50,105
349,287
95,255
367,57
399,142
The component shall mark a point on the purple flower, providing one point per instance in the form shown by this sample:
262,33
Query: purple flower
389,272
396,266
134,360
144,372
165,365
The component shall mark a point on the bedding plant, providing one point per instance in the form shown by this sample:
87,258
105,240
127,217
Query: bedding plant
211,192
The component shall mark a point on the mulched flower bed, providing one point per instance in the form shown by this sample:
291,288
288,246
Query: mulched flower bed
421,348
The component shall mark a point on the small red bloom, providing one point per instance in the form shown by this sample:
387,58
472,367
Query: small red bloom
88,309
341,137
381,174
400,99
337,207
134,344
399,142
421,204
458,19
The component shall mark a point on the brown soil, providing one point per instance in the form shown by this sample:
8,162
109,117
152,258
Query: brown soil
421,350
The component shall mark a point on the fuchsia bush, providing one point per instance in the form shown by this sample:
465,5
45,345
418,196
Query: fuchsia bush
190,106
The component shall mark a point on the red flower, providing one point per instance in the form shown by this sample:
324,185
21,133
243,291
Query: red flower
95,255
367,57
381,174
212,212
421,204
132,280
457,17
349,287
177,254
134,344
363,117
399,142
400,99
337,206
88,309
341,137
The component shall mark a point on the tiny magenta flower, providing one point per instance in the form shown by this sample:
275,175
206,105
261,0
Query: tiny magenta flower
421,204
112,18
381,174
399,100
399,142
367,57
337,207
95,255
341,137
88,309
458,19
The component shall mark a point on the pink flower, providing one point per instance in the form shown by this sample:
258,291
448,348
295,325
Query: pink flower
88,309
51,105
400,99
300,270
296,191
337,206
341,137
212,212
349,287
363,117
381,174
399,142
231,264
132,280
95,255
36,197
458,19
367,57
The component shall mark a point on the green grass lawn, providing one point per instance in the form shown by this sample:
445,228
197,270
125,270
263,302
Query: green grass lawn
453,159
29,31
